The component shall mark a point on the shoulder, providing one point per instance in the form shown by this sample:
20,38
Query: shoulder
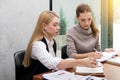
72,31
38,43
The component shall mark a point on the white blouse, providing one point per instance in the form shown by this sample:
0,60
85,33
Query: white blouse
47,58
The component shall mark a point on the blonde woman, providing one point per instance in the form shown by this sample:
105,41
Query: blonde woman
41,50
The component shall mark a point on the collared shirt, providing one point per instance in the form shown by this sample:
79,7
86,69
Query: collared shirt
50,46
40,52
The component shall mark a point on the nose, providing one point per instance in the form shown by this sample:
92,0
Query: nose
58,27
87,23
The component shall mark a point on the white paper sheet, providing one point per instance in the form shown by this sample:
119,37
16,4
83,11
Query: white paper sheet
114,60
65,75
98,69
107,55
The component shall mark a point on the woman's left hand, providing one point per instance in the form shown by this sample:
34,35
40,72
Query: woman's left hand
109,50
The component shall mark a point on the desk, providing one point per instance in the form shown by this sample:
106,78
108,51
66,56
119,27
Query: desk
112,72
39,76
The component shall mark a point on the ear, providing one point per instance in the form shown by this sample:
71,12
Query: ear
44,26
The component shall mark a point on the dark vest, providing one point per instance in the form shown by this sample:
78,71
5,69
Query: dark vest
36,67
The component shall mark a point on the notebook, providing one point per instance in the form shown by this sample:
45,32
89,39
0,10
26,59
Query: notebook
98,71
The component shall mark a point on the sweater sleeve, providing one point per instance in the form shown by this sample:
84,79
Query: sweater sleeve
70,45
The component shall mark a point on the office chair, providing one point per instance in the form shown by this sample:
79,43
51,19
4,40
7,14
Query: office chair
64,52
26,73
19,68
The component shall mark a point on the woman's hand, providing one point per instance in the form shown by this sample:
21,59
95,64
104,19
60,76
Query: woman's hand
89,62
95,55
109,50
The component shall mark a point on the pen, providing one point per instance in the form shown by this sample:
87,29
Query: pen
95,50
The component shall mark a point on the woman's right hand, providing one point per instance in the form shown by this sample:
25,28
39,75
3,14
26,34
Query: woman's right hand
89,62
95,55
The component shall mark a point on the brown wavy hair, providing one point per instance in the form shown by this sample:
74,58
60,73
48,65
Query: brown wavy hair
82,8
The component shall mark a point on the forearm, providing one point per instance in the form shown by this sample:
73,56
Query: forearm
70,63
80,56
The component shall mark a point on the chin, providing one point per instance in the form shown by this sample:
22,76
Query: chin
56,35
86,28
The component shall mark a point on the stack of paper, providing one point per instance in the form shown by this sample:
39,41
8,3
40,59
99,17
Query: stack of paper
89,70
98,69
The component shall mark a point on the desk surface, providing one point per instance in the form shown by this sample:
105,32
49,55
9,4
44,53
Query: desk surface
112,72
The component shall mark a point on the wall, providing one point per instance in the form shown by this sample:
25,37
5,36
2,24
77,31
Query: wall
69,9
17,21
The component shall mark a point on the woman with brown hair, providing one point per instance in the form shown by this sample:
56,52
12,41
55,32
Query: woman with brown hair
41,50
83,38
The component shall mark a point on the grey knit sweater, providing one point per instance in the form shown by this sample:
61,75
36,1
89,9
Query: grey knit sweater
81,41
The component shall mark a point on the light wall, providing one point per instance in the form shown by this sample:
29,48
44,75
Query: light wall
17,21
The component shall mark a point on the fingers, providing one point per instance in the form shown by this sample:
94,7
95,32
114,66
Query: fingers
96,55
90,62
109,50
93,62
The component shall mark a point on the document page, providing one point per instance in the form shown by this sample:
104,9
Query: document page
59,75
65,75
107,55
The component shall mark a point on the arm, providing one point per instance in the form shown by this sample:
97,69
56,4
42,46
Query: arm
80,56
73,44
77,62
71,49
39,52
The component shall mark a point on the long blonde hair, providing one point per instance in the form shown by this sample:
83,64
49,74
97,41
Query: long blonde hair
82,8
44,18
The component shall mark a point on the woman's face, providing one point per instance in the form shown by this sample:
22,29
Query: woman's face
52,29
85,19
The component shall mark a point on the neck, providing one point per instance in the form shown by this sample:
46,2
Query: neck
49,37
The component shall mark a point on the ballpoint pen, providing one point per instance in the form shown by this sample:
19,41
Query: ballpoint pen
95,50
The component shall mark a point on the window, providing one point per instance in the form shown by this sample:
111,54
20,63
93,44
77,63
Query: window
116,25
67,12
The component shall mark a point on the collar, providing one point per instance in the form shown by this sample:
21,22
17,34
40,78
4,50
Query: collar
84,31
49,42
